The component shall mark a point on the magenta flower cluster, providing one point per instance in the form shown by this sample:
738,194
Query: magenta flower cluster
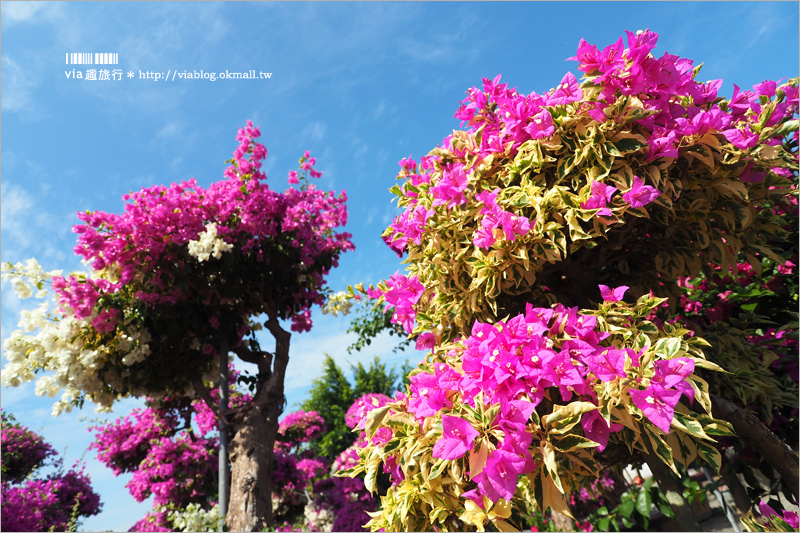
153,521
178,471
403,293
172,462
46,504
675,107
494,217
297,428
123,444
151,236
512,364
22,450
356,415
790,517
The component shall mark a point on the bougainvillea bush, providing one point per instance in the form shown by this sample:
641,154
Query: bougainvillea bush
541,242
55,502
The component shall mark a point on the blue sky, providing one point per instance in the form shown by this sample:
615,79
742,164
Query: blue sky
359,85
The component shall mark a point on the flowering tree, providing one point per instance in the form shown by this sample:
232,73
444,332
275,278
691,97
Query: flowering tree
171,450
53,503
181,271
629,183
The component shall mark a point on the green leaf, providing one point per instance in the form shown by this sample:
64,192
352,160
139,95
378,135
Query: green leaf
374,419
644,503
602,525
569,442
626,507
710,455
625,146
665,509
669,348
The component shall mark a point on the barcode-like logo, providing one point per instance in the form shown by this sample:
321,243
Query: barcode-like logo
81,58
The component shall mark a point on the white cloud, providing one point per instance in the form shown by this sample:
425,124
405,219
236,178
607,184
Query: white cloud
315,130
29,228
16,12
379,110
17,207
18,83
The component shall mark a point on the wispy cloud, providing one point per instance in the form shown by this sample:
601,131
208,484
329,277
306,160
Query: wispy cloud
18,83
315,131
27,229
29,12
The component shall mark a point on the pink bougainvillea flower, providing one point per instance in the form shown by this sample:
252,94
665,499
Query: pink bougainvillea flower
634,357
608,364
640,194
514,225
498,479
601,195
640,44
426,395
541,125
661,144
766,510
457,438
670,372
741,139
748,176
451,186
613,295
791,518
484,238
516,413
425,341
596,111
417,221
567,91
657,404
597,429
786,268
704,93
560,371
766,88
588,57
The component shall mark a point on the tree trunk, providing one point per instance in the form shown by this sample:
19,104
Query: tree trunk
562,521
250,454
758,436
251,448
673,492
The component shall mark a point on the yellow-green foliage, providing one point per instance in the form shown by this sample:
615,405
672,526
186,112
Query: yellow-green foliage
429,499
704,215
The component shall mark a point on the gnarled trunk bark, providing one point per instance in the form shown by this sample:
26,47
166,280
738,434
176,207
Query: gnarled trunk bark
250,507
251,448
756,434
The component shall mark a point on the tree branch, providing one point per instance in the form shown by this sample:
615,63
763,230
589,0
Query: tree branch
247,355
202,390
758,436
